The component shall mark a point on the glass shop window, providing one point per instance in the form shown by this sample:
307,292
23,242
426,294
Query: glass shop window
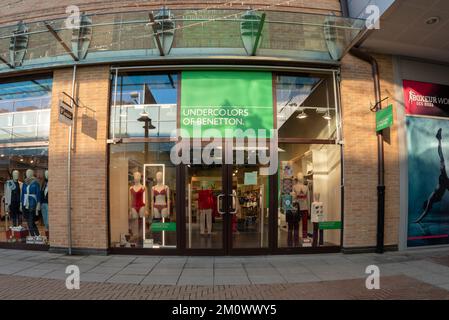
24,211
309,195
142,196
306,107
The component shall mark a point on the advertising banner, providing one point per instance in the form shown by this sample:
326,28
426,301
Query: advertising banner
226,100
426,99
428,182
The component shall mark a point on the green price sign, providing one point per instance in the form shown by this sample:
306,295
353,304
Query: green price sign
330,225
384,118
160,226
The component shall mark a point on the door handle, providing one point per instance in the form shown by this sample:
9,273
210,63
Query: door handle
233,209
220,204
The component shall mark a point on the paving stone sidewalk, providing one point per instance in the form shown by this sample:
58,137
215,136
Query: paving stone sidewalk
396,287
425,273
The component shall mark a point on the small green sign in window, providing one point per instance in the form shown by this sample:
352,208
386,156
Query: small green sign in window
330,225
160,226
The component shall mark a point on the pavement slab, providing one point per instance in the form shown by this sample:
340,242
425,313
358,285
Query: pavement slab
429,269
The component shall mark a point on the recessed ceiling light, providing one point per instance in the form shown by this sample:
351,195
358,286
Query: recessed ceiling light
433,20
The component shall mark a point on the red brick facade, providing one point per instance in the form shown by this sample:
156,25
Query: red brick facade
13,11
360,154
89,161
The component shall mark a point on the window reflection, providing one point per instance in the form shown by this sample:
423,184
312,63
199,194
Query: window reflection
144,93
24,106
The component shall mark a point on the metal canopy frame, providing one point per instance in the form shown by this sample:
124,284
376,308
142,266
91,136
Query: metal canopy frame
7,63
61,42
163,29
259,33
156,34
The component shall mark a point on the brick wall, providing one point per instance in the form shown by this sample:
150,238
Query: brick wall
13,11
89,161
360,152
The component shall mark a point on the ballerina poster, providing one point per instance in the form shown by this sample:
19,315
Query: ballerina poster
428,163
428,185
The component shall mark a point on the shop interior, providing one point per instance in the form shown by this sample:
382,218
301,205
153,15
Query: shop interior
249,213
309,173
20,167
143,172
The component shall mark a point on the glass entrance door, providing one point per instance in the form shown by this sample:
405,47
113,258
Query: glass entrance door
205,224
250,204
226,208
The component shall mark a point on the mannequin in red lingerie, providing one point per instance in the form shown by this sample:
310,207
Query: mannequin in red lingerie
137,206
160,199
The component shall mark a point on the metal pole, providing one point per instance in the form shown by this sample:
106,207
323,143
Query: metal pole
115,104
339,135
380,151
69,172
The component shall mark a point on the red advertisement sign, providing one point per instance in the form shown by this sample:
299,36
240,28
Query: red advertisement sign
428,99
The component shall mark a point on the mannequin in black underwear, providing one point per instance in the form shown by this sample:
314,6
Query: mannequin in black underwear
443,182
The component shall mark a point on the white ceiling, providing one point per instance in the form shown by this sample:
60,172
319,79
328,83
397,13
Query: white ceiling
403,30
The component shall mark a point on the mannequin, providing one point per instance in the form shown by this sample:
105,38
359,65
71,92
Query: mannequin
44,200
205,205
160,198
301,197
317,217
30,201
13,189
137,203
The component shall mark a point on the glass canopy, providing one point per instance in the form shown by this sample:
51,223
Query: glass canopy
141,35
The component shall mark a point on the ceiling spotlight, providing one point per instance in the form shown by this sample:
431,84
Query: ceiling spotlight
2,155
327,116
433,20
32,161
21,160
302,115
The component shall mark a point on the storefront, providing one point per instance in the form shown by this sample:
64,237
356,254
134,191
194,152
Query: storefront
196,144
206,204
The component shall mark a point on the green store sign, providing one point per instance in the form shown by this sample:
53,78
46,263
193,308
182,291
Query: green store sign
384,118
226,100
